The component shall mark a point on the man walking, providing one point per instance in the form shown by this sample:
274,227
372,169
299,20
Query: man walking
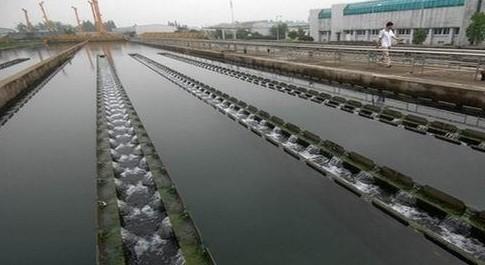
385,42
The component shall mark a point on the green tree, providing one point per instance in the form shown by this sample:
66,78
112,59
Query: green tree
243,34
218,34
293,35
88,26
279,29
301,34
109,25
21,27
306,38
476,31
419,36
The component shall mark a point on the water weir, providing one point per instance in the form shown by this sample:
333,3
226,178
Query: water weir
441,218
441,130
141,217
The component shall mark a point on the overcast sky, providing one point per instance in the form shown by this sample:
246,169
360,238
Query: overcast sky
190,12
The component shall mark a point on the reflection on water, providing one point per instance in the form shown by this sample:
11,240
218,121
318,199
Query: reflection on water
36,55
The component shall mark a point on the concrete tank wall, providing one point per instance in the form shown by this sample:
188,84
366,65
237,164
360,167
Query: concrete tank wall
436,90
14,85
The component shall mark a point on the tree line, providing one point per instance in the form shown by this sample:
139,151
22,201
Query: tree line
57,26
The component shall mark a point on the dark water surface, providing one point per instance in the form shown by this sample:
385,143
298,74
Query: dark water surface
455,169
253,203
47,173
36,55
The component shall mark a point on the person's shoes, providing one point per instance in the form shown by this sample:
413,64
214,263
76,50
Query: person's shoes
389,66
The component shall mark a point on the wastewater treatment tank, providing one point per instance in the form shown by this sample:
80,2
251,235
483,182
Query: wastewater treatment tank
130,154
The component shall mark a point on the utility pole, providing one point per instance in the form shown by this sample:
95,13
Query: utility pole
78,20
27,20
46,19
278,27
232,12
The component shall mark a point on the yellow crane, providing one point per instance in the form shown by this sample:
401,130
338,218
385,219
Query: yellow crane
27,20
96,23
46,19
98,15
80,27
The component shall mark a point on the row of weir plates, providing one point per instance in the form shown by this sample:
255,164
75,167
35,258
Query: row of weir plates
146,228
469,110
444,131
440,217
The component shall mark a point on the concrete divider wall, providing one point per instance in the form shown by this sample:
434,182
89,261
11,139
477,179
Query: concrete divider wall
436,90
14,85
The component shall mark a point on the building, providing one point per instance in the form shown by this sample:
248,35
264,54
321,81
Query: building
262,27
139,29
445,21
295,26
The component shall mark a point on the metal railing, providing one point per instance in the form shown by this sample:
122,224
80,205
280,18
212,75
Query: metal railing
416,58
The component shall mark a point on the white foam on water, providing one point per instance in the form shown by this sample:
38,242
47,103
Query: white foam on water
139,187
367,188
141,246
132,171
118,182
414,214
166,223
470,245
458,233
179,259
128,158
148,211
148,180
311,152
143,163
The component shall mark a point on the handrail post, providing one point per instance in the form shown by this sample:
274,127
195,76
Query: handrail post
414,63
478,68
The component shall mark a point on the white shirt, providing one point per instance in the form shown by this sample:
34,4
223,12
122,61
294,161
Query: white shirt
386,38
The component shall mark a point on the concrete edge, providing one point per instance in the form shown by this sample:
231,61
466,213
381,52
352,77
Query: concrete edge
436,90
12,86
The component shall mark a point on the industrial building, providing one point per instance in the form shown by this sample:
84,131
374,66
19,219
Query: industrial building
262,27
445,21
140,29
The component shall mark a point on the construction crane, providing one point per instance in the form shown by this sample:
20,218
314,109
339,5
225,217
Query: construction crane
78,20
94,16
46,19
98,15
27,20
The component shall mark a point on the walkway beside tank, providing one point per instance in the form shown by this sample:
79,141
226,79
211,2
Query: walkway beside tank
426,159
423,66
253,203
48,169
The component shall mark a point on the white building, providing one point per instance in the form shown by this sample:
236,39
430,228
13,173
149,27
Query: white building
445,21
139,29
262,27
